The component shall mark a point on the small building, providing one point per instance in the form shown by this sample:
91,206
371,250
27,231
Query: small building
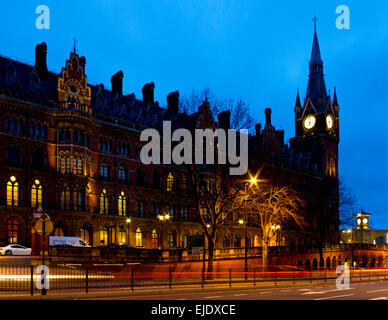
362,232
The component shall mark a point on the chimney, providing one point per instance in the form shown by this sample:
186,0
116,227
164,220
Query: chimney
117,83
268,117
224,119
173,102
148,93
82,62
280,137
258,129
41,60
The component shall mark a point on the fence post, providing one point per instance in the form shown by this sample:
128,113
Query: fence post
32,280
311,276
170,278
325,275
87,279
132,287
203,278
230,277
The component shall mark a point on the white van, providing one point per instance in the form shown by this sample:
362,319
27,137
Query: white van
67,242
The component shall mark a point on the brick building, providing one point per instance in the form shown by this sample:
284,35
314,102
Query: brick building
73,148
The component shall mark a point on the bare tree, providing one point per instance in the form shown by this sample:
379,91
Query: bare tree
272,207
347,203
240,116
216,197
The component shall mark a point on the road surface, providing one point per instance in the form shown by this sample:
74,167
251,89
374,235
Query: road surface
358,291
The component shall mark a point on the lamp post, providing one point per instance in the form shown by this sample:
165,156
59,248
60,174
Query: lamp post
242,222
128,222
252,181
163,218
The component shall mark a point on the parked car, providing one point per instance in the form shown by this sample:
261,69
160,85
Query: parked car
15,250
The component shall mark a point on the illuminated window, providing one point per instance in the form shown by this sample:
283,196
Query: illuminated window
104,237
12,192
65,164
122,204
104,202
85,234
155,239
170,239
36,194
59,231
170,182
139,238
12,229
184,213
77,165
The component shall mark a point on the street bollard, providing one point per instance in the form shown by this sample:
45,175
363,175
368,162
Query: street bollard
311,276
170,278
254,277
32,280
87,279
203,278
325,275
230,277
132,287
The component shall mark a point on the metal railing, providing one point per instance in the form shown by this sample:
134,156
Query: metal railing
22,279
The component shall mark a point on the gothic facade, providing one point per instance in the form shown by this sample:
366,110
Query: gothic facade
73,148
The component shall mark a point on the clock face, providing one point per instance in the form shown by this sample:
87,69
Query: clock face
309,122
329,121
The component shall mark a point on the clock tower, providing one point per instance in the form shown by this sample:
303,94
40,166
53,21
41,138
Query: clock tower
317,120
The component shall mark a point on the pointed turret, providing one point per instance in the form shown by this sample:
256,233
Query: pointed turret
298,106
335,100
316,88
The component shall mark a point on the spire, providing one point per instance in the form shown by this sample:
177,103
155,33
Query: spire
297,102
335,100
315,53
316,88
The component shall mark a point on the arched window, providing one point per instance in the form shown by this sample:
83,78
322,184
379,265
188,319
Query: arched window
59,231
122,175
13,230
79,200
170,182
140,209
139,238
78,165
225,241
65,199
36,194
185,241
122,204
65,163
37,160
156,180
14,157
139,178
85,234
104,202
104,171
155,239
257,241
170,239
12,192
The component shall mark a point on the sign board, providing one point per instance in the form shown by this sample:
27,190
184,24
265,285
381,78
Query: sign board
38,215
197,250
48,227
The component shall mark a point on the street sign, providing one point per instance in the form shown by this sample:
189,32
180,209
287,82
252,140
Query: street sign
197,250
48,227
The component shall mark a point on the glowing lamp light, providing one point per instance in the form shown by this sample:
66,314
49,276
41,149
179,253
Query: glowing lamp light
13,178
128,220
365,221
241,221
37,181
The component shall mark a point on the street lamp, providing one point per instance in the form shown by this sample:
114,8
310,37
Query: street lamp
128,222
242,222
162,218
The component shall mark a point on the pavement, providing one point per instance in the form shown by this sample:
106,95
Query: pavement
358,291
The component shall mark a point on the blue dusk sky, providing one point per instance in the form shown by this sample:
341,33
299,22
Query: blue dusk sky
254,50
